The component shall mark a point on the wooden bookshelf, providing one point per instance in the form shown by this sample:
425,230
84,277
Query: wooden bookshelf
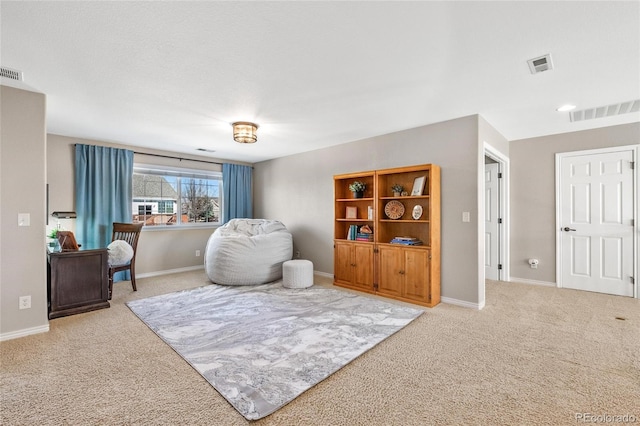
405,272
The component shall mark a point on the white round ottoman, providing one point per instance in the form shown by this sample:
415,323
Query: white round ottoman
297,273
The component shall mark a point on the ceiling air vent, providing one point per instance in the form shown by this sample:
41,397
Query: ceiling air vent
605,111
12,74
540,64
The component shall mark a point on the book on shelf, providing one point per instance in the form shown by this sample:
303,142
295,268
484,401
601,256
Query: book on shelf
355,233
407,241
352,232
364,237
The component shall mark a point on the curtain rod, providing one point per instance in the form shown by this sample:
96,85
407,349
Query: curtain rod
175,158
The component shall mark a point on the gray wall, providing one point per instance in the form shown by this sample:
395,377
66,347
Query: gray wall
533,213
487,133
298,190
158,250
22,190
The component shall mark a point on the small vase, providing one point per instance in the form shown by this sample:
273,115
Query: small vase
396,194
358,194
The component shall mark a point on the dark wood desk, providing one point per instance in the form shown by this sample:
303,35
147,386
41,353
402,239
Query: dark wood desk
77,281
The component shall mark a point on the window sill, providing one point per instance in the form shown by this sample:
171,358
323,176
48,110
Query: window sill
179,227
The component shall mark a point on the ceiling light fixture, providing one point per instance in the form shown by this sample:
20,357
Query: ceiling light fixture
244,132
565,108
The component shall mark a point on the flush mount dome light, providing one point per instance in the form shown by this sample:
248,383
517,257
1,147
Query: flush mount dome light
565,108
245,132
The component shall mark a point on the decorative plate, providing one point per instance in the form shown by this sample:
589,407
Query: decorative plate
394,209
417,212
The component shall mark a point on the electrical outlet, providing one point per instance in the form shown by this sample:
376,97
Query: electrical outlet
197,253
24,302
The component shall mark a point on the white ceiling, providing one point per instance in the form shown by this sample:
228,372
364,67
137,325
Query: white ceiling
174,75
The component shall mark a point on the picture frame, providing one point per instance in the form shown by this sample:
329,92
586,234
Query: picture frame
352,213
418,185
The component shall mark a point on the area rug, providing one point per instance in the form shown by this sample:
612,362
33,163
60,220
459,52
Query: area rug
262,346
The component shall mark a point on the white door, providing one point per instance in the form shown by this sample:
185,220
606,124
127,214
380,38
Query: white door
596,221
491,228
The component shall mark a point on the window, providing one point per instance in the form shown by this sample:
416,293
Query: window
165,206
164,196
144,209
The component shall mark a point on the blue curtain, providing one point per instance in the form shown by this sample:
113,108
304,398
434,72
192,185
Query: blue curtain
103,194
237,182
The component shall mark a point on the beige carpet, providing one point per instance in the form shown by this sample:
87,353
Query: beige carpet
534,355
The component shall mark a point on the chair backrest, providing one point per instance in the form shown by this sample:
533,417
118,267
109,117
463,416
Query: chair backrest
129,232
67,241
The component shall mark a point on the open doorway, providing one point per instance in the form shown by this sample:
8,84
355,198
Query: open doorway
492,219
496,215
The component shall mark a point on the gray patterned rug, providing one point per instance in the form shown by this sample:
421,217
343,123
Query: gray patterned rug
262,346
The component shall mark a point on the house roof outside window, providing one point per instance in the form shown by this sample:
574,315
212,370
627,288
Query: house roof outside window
153,187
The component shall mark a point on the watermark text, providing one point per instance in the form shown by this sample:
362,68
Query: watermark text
605,418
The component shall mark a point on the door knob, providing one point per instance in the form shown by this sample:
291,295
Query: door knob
567,229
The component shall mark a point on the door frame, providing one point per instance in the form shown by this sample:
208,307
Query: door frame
503,211
636,206
495,223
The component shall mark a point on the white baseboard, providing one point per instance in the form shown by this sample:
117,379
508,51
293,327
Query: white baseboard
195,268
169,271
24,332
535,282
448,300
323,274
462,303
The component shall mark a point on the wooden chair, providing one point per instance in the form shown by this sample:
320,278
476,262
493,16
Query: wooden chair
67,241
129,232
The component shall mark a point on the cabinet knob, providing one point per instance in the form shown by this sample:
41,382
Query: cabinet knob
401,272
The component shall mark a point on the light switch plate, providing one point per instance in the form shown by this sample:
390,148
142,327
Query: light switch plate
24,219
466,217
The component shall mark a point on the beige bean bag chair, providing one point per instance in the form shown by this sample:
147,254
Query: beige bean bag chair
248,252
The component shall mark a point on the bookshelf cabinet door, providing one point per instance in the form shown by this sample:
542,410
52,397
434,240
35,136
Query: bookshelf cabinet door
343,271
416,284
363,269
353,265
391,270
